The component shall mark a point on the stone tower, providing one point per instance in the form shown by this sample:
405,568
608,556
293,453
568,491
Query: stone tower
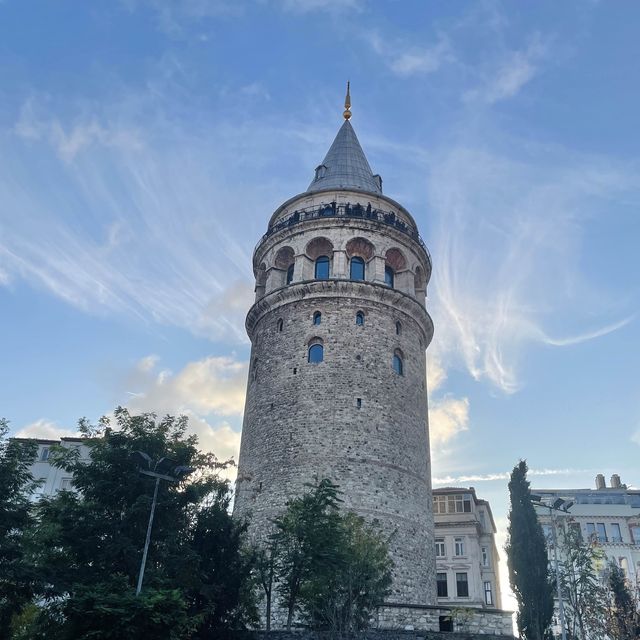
337,379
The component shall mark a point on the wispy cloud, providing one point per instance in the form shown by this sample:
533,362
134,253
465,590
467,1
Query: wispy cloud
45,430
507,248
407,60
501,475
331,6
506,76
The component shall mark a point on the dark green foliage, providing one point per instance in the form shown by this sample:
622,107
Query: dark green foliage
527,560
331,567
17,576
624,621
584,596
341,596
89,542
306,536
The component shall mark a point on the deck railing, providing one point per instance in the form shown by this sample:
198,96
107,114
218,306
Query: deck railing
347,210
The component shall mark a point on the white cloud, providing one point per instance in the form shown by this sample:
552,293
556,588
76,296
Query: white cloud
332,6
406,60
213,386
448,416
500,475
45,430
505,228
636,437
514,70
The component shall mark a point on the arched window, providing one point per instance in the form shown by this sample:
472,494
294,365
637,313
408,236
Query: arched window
398,328
290,273
280,324
388,276
316,353
322,268
357,268
317,317
360,318
398,365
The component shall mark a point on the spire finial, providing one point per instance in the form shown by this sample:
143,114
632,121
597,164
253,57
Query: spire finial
347,104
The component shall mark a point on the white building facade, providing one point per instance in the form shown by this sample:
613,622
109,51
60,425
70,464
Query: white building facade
52,478
466,552
607,516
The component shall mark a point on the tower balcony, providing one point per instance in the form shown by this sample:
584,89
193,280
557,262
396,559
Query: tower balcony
350,211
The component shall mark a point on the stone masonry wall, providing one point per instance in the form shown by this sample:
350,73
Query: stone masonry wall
350,418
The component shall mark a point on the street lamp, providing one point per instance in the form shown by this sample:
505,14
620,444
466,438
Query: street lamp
161,471
562,506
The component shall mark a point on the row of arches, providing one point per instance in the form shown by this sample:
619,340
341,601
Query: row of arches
357,261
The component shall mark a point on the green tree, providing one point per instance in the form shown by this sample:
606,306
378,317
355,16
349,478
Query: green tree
306,535
527,560
342,596
624,617
89,541
583,594
17,576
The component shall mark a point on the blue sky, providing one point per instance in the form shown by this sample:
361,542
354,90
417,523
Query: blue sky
144,145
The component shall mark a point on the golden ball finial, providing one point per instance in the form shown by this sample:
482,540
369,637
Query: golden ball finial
347,103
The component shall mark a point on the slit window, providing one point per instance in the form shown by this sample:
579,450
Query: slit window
322,268
388,276
398,328
317,317
360,318
280,324
290,273
398,365
357,269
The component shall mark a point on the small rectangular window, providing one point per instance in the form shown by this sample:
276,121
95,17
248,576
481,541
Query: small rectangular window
359,403
459,546
66,484
44,454
462,585
488,595
441,581
602,532
485,557
440,548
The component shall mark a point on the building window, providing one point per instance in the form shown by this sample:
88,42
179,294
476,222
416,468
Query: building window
398,328
616,536
317,317
624,565
459,546
591,531
360,318
635,533
439,504
602,532
44,454
398,366
322,268
459,504
441,581
485,557
488,594
66,484
441,551
357,269
290,273
388,276
280,324
462,585
316,353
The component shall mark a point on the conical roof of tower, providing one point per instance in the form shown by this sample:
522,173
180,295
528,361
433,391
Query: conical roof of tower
345,166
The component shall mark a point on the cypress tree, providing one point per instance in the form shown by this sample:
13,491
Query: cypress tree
527,560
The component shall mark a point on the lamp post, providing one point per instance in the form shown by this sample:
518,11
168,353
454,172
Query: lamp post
562,506
161,471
